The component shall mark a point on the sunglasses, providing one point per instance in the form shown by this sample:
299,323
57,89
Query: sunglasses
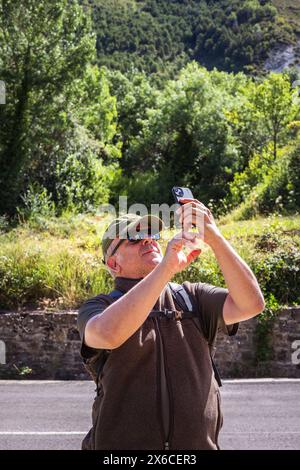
133,240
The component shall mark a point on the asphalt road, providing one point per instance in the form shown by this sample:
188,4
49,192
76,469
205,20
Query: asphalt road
258,414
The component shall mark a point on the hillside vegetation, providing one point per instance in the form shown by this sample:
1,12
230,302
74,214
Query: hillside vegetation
161,36
290,10
52,263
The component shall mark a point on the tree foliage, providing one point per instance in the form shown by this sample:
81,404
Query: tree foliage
45,50
161,36
75,134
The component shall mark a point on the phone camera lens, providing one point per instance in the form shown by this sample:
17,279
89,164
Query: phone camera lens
179,192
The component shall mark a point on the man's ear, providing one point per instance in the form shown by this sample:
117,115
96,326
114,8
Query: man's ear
113,265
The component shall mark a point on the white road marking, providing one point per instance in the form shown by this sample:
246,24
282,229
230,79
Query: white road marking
246,433
41,433
90,382
262,381
79,433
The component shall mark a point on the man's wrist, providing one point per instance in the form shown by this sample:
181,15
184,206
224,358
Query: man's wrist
217,240
165,270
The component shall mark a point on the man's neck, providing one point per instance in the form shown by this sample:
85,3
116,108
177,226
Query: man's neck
126,283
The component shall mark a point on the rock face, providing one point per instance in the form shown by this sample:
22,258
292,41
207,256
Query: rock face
35,345
284,56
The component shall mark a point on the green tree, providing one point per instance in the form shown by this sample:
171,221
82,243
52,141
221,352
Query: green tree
45,46
275,106
248,129
135,94
187,132
96,109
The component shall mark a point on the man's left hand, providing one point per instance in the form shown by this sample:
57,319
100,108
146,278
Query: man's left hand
194,213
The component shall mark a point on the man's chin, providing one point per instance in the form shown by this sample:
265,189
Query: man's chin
152,263
155,258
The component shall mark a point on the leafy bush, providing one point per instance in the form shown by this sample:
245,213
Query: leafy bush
186,135
83,181
4,224
32,277
244,182
278,191
143,187
36,203
278,274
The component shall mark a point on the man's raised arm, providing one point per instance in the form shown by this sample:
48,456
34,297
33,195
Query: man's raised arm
119,321
245,299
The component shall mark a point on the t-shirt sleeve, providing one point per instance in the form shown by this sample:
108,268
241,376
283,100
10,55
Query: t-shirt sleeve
209,302
88,310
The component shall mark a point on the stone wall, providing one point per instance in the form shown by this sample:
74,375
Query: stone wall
46,343
37,345
237,356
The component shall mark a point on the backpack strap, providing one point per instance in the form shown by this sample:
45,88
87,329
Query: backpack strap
188,310
181,296
116,294
171,314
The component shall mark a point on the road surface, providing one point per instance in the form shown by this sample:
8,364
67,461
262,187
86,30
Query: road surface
258,414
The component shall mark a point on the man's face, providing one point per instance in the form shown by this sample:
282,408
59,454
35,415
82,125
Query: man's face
134,260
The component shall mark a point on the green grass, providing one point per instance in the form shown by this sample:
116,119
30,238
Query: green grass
56,263
247,229
51,263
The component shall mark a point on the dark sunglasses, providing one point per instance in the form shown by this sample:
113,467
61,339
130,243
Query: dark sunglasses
133,240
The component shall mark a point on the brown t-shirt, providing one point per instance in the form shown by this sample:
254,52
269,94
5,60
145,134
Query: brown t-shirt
159,385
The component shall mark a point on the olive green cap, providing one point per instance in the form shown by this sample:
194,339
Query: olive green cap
129,225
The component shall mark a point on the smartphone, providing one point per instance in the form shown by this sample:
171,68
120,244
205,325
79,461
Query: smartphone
181,193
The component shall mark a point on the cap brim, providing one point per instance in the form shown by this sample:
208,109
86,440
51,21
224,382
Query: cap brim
143,223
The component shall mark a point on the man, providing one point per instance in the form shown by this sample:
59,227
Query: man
156,386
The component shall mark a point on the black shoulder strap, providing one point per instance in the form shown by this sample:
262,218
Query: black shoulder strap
116,294
171,314
182,297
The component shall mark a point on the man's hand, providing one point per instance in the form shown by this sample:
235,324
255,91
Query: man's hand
194,213
175,258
